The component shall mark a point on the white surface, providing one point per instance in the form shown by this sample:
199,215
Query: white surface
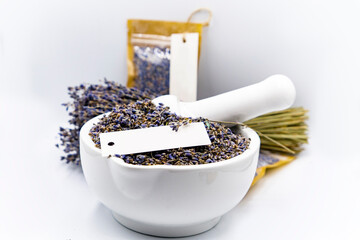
46,46
153,139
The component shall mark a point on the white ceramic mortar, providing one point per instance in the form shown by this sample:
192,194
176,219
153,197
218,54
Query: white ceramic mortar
163,200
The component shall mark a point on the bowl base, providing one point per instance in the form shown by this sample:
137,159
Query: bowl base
166,230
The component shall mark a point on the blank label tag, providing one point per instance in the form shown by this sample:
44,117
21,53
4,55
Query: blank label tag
153,139
184,66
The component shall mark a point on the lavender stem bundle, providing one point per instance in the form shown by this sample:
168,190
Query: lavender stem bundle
282,131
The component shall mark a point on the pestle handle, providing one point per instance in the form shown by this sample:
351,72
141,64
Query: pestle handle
275,93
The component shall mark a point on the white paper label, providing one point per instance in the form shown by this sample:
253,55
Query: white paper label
184,66
153,139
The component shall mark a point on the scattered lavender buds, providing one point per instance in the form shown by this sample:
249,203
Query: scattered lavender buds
152,66
90,101
143,114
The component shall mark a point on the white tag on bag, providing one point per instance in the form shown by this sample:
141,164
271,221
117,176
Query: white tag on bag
184,66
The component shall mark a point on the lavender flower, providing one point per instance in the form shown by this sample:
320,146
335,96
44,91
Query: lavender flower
89,101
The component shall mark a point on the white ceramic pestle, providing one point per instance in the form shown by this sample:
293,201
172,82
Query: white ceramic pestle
277,92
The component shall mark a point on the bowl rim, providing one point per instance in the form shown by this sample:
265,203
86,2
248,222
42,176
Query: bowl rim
254,147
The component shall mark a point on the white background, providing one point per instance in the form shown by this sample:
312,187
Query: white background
46,46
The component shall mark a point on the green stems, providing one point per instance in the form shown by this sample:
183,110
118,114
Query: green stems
281,131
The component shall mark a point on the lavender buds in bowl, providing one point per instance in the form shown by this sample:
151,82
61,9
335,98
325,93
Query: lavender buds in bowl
143,114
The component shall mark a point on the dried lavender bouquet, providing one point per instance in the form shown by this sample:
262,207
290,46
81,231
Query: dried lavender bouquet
282,131
89,101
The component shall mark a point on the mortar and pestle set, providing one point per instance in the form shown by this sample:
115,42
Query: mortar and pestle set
174,201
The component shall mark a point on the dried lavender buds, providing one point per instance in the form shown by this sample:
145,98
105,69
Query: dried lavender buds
90,101
152,68
143,114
